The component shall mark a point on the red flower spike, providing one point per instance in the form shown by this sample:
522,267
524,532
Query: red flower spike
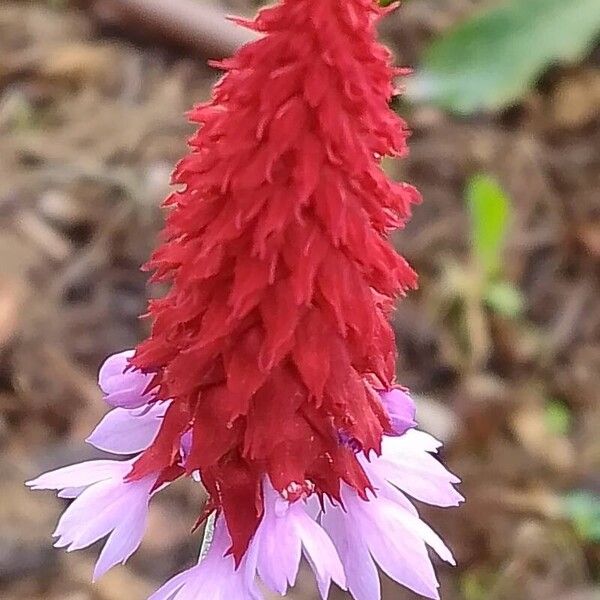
282,275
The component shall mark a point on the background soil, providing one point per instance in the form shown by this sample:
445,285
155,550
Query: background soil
91,123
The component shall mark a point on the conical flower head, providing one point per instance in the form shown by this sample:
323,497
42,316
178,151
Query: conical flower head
274,335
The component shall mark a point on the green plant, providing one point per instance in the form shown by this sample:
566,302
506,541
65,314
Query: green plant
582,508
489,209
492,59
471,292
558,417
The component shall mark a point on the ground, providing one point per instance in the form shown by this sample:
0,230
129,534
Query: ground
91,123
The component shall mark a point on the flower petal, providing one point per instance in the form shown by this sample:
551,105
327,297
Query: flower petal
286,530
320,552
399,553
406,463
124,387
215,577
80,475
127,535
104,504
278,547
123,431
361,573
401,410
100,510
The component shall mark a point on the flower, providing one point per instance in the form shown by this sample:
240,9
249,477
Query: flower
123,386
343,540
105,505
387,530
268,374
281,273
216,576
286,531
105,502
400,408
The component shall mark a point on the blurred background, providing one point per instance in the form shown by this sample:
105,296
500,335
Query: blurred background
501,346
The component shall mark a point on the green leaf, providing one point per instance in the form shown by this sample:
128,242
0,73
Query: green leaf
489,208
583,509
558,417
476,584
490,61
505,299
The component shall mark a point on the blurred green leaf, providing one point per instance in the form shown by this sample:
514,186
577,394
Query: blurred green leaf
489,208
490,61
558,417
505,299
583,509
475,585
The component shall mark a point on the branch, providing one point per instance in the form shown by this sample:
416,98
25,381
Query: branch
187,23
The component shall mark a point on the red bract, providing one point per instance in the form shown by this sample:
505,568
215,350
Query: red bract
282,275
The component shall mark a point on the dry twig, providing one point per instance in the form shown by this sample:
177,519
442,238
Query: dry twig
193,25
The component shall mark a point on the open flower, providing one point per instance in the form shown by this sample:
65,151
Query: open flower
286,532
104,505
386,531
216,576
105,502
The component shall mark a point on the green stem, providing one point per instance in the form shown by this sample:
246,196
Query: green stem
209,532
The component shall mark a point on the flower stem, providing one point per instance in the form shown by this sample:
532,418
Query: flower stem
209,531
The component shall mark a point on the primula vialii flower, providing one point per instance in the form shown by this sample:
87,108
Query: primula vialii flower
269,371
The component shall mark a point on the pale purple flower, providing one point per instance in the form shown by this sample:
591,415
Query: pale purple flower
122,385
104,505
286,532
215,577
407,464
386,530
128,431
400,408
343,543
